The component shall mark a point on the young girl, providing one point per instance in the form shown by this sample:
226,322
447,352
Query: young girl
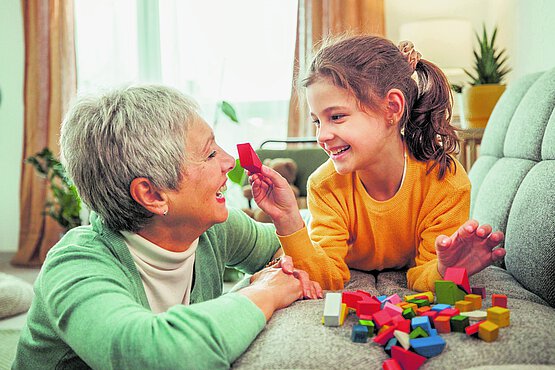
392,190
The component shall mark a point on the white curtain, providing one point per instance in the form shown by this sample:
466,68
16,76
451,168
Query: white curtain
240,51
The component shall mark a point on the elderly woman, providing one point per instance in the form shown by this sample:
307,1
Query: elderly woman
141,287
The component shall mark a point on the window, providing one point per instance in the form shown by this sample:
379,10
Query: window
240,51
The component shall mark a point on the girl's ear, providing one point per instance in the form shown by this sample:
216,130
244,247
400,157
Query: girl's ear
395,101
144,193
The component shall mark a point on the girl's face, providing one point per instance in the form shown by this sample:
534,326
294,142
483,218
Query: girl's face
200,201
355,140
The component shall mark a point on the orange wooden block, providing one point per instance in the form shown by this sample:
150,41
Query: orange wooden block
464,306
421,310
475,299
442,324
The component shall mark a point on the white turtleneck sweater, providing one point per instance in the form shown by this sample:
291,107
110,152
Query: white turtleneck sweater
167,276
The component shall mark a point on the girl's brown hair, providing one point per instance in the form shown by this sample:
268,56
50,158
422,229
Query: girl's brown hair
368,67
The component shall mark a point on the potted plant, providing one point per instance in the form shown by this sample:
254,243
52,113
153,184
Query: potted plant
486,88
63,203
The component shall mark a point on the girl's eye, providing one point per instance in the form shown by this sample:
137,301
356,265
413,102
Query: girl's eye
212,155
337,117
316,123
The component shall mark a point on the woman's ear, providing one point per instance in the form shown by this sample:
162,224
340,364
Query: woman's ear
152,199
395,101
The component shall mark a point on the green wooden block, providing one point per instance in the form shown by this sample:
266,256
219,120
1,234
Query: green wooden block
459,323
446,292
418,332
408,313
420,302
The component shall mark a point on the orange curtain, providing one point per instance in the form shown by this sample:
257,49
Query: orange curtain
50,83
318,19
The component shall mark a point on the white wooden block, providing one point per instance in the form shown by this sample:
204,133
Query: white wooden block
332,309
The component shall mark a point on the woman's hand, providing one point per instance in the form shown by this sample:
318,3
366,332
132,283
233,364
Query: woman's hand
311,289
274,196
471,246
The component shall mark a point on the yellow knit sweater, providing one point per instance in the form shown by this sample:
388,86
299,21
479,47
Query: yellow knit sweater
351,229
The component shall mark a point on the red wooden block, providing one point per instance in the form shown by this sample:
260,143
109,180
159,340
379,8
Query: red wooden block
385,336
459,276
368,307
381,318
407,359
248,158
472,330
449,312
391,364
403,326
442,324
431,314
351,299
499,300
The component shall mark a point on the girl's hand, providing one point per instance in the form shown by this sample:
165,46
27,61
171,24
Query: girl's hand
274,196
471,246
311,289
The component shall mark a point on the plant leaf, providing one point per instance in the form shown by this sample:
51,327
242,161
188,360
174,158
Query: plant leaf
229,111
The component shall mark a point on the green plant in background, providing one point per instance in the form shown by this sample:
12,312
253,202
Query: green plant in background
237,174
64,206
489,62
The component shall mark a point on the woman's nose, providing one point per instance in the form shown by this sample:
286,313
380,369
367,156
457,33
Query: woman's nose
228,163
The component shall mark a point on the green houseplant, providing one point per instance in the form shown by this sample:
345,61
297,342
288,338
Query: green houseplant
486,80
63,203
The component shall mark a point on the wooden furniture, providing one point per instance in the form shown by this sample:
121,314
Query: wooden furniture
470,140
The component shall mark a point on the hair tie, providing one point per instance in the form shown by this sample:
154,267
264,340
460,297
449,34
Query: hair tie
411,55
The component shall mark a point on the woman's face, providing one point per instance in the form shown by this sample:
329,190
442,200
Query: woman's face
200,200
354,139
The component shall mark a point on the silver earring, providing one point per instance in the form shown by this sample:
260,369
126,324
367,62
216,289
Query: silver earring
165,212
391,122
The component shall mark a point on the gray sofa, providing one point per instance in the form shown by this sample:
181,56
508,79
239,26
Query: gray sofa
513,190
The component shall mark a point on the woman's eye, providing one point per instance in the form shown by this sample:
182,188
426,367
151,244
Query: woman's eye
212,155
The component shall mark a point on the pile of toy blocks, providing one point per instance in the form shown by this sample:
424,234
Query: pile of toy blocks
409,329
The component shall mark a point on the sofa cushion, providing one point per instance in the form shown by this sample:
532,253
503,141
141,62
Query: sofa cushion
295,338
512,180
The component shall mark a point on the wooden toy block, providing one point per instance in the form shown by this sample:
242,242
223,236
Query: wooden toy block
442,324
392,309
475,315
428,347
429,296
394,299
440,307
403,326
364,293
459,276
383,328
430,314
381,318
488,331
248,158
459,323
397,319
408,313
365,317
464,306
401,304
351,299
344,313
479,290
420,310
422,322
420,302
450,312
418,332
368,307
332,309
499,315
402,338
475,299
499,300
391,364
411,305
370,325
390,343
472,330
448,292
359,334
383,337
408,360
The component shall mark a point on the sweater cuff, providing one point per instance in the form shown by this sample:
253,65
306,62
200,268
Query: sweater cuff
296,245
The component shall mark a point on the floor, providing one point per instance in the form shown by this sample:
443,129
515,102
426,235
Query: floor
27,274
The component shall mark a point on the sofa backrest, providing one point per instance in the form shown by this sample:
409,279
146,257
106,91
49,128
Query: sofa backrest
308,160
513,180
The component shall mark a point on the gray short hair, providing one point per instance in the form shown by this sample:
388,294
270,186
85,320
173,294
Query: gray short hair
108,141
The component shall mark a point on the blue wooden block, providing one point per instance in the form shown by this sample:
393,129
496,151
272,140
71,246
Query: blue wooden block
390,343
429,346
359,334
423,322
440,307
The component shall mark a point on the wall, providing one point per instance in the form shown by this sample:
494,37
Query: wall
11,120
526,29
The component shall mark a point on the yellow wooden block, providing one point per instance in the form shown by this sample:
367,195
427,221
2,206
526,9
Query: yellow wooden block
464,306
499,315
383,328
475,299
411,305
488,331
429,295
343,314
